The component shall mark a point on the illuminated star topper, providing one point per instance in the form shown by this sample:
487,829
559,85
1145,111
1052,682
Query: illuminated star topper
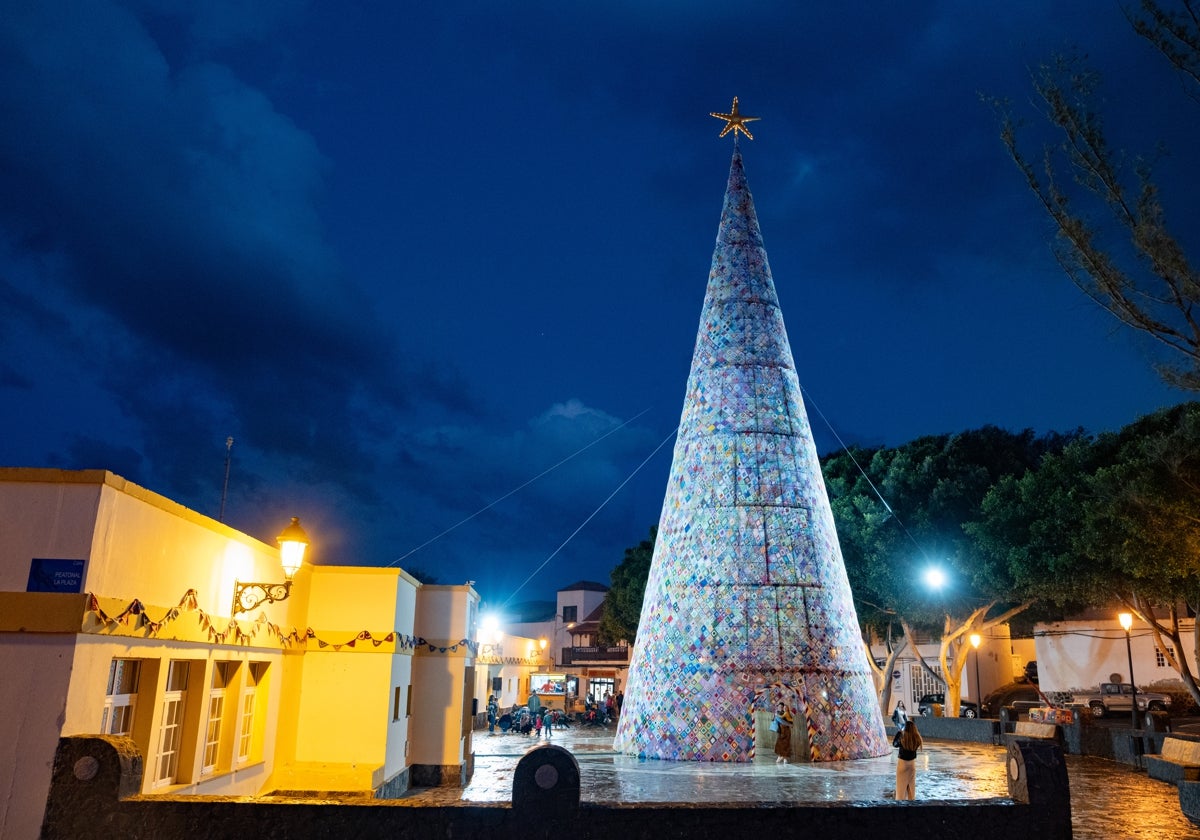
734,121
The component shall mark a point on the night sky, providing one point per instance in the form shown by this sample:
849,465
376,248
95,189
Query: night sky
412,255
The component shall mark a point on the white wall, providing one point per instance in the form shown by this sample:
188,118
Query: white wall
346,693
44,519
445,617
1075,655
37,670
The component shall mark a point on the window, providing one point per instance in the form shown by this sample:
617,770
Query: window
601,689
922,682
170,734
222,676
120,698
396,705
249,710
570,614
1160,659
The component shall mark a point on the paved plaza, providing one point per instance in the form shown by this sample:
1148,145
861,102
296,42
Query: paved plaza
1109,801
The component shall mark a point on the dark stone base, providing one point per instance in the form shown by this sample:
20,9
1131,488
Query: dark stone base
394,787
1189,800
976,730
1166,770
439,775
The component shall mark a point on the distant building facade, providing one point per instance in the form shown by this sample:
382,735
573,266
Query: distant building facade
591,671
1079,654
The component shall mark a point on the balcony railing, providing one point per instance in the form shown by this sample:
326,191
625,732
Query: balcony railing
580,655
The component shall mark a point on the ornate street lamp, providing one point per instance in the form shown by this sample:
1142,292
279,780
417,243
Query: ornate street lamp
975,640
292,543
1126,620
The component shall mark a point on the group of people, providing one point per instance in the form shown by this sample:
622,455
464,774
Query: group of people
533,718
602,713
907,740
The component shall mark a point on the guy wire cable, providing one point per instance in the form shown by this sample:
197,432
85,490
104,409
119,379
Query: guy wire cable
515,490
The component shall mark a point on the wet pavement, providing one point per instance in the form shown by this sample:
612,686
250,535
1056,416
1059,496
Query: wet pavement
1109,801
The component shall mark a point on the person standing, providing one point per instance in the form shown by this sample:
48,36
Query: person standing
493,714
781,725
899,715
908,740
548,722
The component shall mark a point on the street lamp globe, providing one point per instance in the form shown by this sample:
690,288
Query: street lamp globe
1126,620
934,577
293,541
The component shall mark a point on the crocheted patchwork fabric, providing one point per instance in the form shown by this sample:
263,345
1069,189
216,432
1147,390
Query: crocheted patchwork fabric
747,603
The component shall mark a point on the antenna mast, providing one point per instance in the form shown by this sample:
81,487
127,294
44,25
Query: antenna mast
225,486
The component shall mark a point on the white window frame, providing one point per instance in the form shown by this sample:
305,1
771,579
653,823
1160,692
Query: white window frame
119,707
222,676
212,731
170,731
255,671
246,730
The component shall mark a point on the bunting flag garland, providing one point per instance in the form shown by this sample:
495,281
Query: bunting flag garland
364,636
235,632
471,646
242,632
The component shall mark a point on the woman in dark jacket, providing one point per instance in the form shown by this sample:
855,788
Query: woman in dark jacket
908,740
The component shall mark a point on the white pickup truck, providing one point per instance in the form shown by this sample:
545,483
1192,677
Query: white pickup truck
1114,698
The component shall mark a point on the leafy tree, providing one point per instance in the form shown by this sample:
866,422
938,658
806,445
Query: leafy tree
623,602
933,487
1148,283
1114,518
1029,523
1142,526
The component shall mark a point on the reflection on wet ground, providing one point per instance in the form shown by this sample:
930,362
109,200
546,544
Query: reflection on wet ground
1109,801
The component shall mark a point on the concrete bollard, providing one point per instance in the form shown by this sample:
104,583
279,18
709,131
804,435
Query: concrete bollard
546,789
1037,775
1157,725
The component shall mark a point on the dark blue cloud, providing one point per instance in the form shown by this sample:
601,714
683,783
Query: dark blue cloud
411,256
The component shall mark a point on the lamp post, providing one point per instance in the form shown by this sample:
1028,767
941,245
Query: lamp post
1126,620
975,640
293,541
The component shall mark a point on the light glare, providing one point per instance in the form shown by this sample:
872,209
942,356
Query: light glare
935,578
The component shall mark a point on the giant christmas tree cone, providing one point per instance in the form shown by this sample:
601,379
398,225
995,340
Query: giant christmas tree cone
747,603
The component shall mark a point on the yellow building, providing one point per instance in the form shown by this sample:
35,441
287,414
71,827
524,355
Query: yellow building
117,616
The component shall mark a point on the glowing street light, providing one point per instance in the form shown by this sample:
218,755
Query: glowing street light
490,627
934,577
293,542
1126,620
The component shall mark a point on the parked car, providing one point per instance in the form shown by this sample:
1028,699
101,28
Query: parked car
966,708
1031,673
1022,696
1117,698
